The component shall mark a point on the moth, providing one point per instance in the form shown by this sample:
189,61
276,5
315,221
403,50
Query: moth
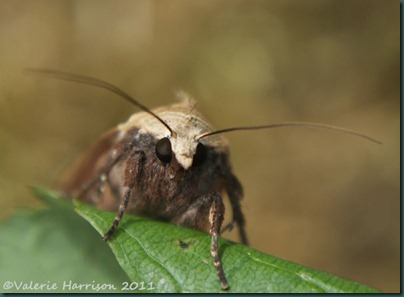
168,164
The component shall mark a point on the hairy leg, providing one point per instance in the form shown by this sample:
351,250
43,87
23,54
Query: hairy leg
133,170
211,204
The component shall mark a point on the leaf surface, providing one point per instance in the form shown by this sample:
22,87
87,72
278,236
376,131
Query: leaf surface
177,259
55,245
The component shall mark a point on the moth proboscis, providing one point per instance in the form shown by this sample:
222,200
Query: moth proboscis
168,164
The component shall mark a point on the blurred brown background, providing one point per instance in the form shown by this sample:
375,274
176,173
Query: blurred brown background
316,197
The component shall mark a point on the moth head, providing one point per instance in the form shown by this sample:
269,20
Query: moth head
182,142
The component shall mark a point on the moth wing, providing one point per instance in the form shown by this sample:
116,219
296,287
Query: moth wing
85,167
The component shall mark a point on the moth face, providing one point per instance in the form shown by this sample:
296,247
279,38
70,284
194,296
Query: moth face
187,152
183,144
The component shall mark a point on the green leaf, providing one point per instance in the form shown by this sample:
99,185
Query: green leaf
176,259
56,245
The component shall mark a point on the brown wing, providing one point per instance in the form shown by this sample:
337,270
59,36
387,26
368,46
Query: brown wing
85,167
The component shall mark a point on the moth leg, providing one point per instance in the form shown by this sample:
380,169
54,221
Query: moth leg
133,169
216,217
235,192
196,213
211,204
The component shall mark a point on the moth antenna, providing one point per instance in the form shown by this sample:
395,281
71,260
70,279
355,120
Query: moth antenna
286,124
97,83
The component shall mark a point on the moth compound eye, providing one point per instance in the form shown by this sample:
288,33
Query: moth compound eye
163,150
200,155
